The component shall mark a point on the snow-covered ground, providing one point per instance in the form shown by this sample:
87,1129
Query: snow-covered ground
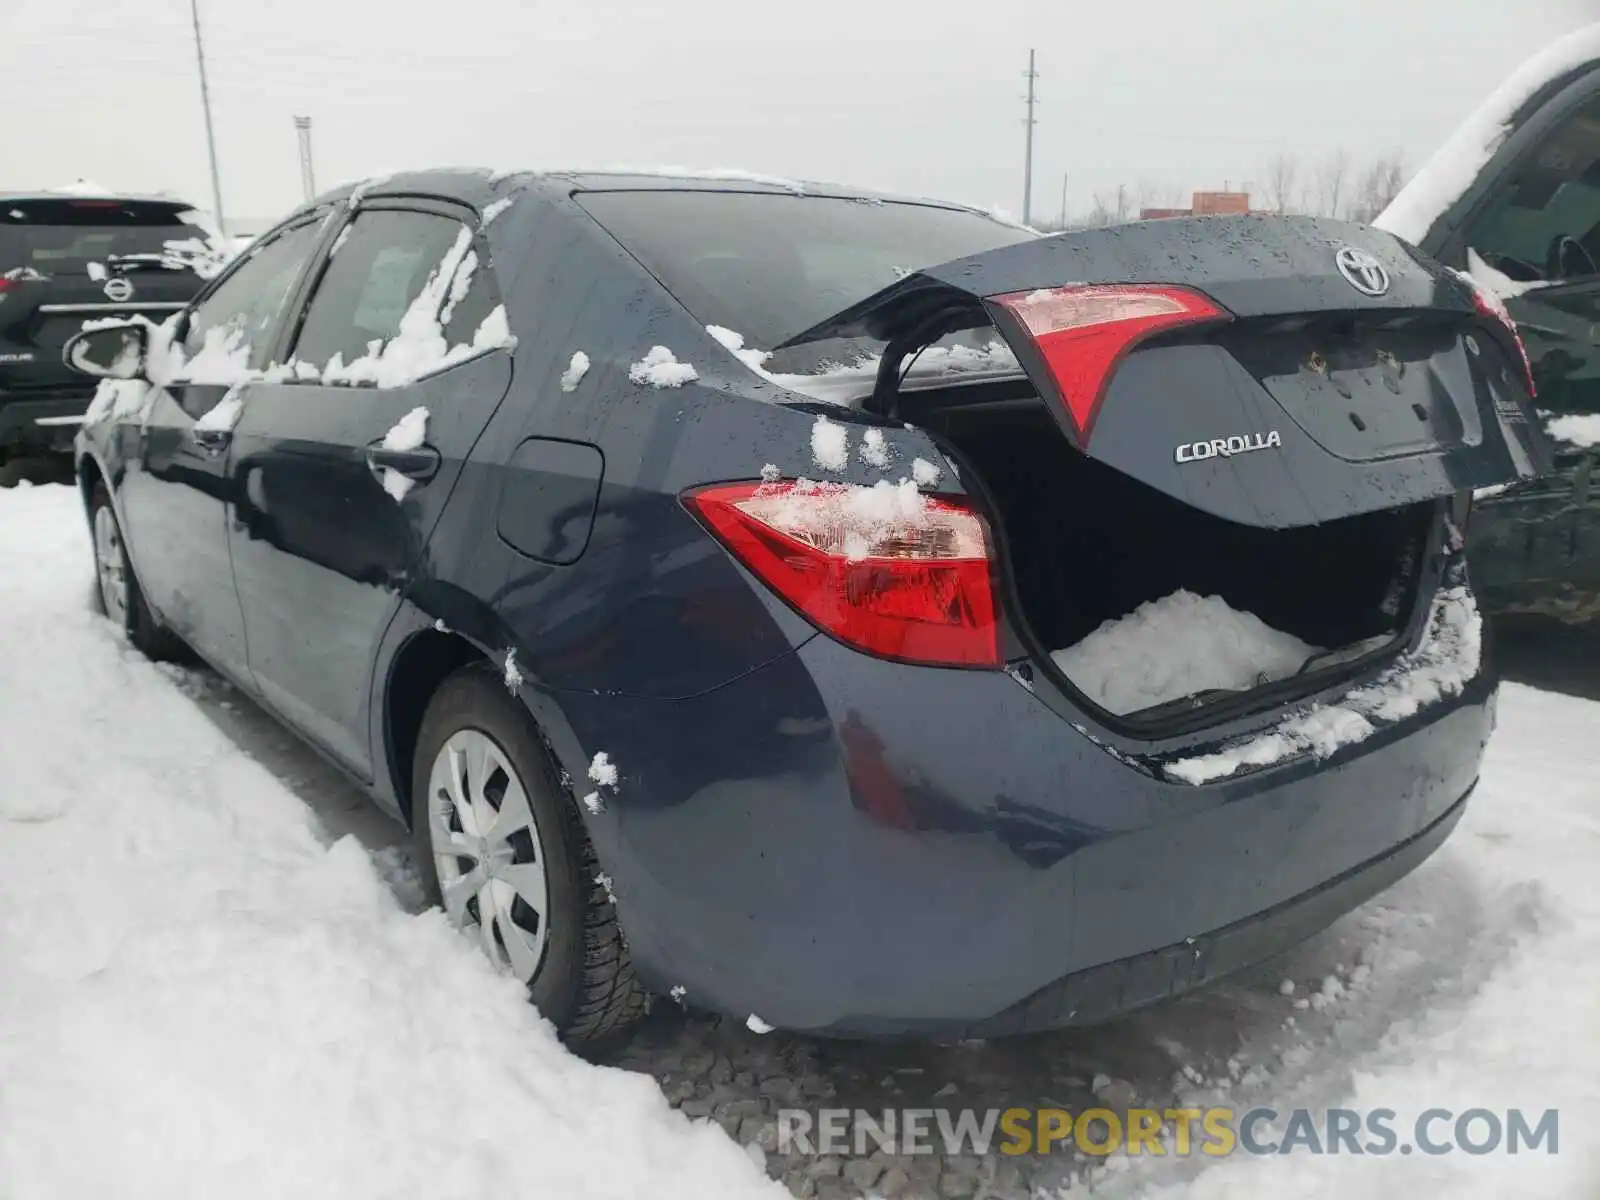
208,987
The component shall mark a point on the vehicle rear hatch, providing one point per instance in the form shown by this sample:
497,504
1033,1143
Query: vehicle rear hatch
1234,442
67,260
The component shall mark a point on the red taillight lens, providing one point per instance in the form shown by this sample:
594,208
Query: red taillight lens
1491,306
884,569
1083,331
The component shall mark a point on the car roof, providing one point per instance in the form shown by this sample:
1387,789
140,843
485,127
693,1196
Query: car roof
480,185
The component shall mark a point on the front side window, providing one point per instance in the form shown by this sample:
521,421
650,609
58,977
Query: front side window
231,330
402,289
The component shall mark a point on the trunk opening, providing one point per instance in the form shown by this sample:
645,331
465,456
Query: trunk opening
1207,611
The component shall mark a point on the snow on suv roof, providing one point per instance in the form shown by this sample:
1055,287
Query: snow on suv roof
1448,175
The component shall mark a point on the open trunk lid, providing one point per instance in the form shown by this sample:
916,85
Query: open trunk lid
1272,371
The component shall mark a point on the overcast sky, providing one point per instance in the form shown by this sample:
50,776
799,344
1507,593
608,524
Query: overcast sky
919,97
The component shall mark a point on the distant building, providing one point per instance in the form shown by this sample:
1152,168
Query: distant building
1204,204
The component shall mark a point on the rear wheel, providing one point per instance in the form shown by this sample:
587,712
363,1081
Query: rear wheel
504,852
117,593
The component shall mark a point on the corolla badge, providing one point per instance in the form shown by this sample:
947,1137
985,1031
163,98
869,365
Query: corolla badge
1361,271
1227,447
118,289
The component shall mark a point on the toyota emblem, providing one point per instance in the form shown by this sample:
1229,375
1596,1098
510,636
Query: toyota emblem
118,289
1361,271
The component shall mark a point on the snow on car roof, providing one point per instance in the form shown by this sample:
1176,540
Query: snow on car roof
1448,175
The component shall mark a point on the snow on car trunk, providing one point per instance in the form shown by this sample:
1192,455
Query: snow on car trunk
1180,645
202,998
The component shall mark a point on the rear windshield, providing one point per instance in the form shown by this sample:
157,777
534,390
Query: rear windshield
772,266
56,237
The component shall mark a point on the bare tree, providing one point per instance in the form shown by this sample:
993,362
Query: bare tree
1282,171
1377,186
1330,180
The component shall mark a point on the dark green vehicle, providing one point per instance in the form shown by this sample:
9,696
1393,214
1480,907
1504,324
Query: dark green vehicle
1513,199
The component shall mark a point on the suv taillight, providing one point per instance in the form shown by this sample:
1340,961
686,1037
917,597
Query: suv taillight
1084,330
885,569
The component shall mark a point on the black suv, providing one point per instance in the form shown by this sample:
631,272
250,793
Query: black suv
67,259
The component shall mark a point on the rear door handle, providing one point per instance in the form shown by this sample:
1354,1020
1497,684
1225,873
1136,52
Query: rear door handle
421,464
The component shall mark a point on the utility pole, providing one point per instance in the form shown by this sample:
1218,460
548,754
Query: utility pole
1027,165
1064,200
205,104
308,179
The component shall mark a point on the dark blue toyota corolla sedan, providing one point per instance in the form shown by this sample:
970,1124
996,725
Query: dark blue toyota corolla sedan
853,614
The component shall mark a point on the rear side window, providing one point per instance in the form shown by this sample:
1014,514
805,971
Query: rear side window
383,262
770,266
63,237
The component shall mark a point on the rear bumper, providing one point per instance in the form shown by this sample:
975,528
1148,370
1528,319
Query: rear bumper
858,848
1111,989
20,431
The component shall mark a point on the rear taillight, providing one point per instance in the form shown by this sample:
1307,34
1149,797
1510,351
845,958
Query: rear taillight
1083,331
886,569
1491,306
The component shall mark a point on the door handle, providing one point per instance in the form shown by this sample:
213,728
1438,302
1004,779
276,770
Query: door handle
212,441
421,464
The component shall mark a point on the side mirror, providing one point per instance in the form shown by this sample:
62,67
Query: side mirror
109,351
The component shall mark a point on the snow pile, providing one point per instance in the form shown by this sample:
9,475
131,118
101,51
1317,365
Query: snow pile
420,348
576,370
925,473
1176,646
748,355
216,1002
512,674
603,773
1578,429
830,445
1445,662
1455,165
875,451
409,433
856,521
659,368
225,414
205,258
24,275
223,359
495,207
1497,283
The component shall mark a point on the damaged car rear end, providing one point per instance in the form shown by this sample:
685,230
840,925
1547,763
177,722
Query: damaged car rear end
1132,636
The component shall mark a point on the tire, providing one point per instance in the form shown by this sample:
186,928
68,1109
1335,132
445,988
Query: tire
117,594
581,978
